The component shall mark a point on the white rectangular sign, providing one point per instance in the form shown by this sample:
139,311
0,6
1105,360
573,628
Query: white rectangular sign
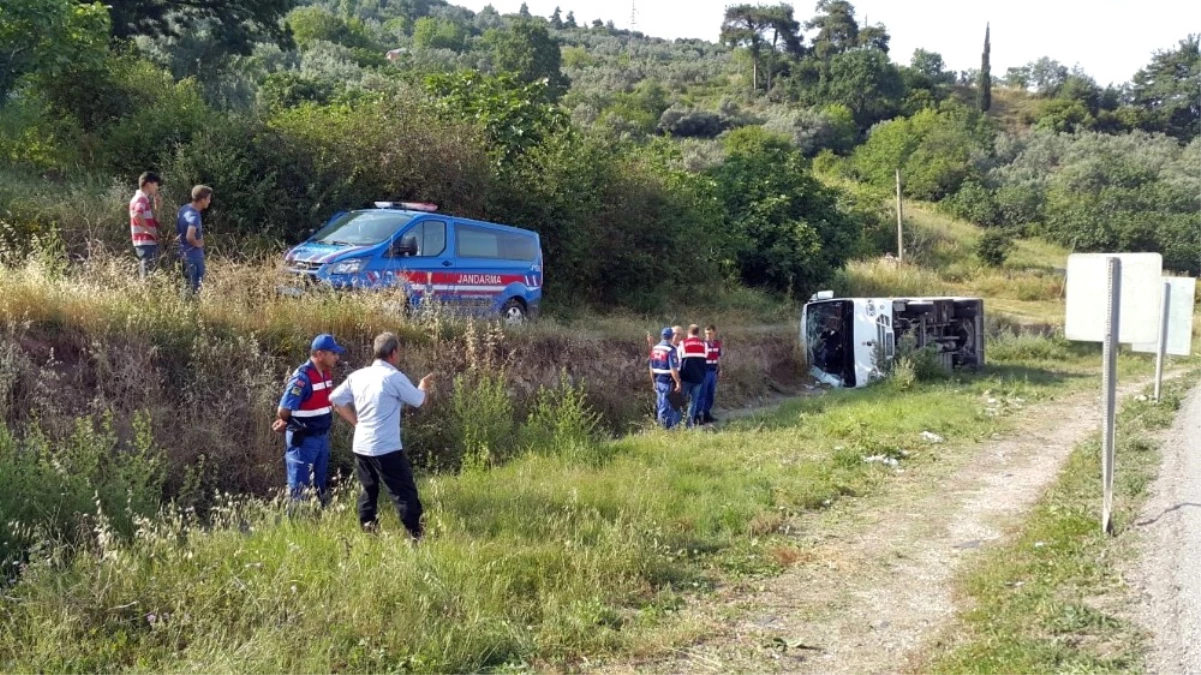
1088,281
1180,318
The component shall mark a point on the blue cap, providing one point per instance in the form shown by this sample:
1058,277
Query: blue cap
325,342
667,332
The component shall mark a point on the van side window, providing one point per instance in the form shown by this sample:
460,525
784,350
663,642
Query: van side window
431,238
479,242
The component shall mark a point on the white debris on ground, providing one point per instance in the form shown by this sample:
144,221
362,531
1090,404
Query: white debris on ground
890,462
931,437
994,406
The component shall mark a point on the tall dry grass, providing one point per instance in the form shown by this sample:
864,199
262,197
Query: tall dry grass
91,339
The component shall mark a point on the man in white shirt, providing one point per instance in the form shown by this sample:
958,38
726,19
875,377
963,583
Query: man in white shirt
372,400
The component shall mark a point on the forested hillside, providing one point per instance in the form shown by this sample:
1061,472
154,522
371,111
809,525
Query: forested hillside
682,161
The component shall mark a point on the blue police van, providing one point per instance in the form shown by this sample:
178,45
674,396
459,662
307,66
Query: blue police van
464,265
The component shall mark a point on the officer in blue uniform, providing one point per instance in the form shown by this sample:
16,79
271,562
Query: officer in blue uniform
305,417
665,377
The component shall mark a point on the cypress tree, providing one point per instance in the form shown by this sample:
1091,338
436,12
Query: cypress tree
985,75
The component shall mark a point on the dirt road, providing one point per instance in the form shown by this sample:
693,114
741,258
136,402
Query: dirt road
872,594
1170,573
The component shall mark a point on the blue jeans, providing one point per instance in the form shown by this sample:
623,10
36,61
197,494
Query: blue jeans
710,392
664,412
307,461
147,258
193,272
695,393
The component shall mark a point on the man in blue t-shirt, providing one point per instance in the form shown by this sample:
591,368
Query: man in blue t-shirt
191,236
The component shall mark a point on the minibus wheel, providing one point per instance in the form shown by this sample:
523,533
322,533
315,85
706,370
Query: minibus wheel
514,312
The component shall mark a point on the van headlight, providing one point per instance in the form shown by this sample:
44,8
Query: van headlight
347,267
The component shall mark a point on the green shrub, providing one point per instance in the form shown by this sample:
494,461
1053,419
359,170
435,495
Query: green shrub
161,114
994,247
288,89
913,365
48,485
482,419
789,232
974,203
438,33
33,135
561,422
933,149
1011,346
682,122
1018,204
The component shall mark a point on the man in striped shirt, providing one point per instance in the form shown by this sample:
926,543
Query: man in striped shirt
143,223
305,416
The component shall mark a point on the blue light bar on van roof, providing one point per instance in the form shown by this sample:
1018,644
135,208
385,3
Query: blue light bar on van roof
411,206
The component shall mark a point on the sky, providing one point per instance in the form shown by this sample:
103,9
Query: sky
1109,39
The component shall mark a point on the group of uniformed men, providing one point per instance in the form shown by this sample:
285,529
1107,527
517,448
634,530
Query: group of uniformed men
684,372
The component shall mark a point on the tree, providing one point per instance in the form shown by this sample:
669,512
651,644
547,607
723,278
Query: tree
837,29
315,23
874,37
933,149
570,21
288,89
524,11
784,28
1045,76
1169,90
930,64
1018,77
242,22
556,19
48,38
985,75
515,115
750,25
528,51
487,19
790,234
863,80
437,33
741,28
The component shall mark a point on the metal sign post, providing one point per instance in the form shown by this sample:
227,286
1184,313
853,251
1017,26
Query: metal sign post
1162,351
1109,389
1175,324
900,223
1127,313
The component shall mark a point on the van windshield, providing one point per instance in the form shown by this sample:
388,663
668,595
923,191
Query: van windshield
362,228
829,340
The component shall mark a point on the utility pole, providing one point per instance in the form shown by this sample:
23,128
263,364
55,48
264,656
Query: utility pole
633,16
900,223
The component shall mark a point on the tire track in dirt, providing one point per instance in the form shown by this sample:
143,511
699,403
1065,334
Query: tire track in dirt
868,600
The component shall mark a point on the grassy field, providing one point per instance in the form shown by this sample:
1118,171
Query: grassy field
1052,600
568,547
1028,290
581,548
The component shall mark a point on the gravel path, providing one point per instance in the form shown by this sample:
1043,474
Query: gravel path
886,589
1170,573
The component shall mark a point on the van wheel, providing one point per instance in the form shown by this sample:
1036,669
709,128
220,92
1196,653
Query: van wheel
514,312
